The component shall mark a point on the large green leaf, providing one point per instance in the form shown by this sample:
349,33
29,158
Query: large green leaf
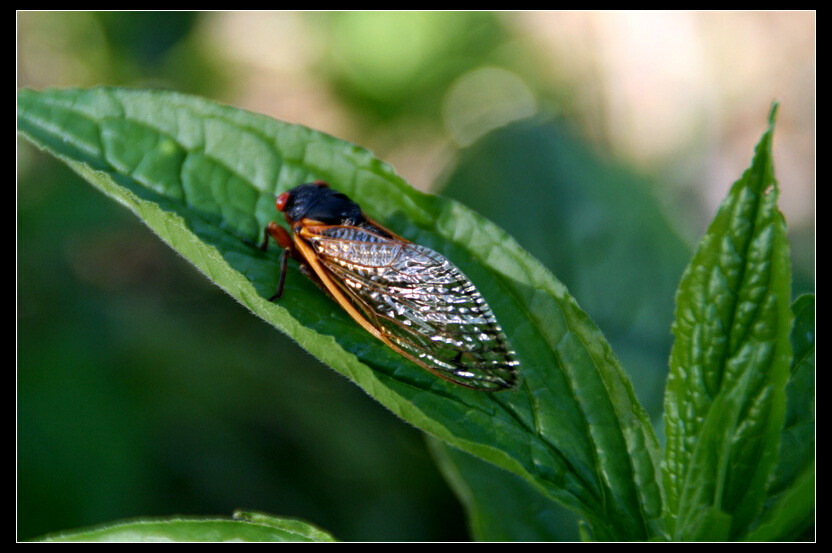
204,176
725,399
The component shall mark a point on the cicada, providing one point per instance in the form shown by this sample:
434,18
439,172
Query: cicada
408,296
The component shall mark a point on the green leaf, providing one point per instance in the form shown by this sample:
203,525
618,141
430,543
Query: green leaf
725,398
790,514
243,527
499,506
204,177
790,507
797,447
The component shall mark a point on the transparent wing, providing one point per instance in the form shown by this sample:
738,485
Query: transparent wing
423,304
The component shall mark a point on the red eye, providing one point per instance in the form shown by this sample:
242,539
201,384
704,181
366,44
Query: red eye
281,201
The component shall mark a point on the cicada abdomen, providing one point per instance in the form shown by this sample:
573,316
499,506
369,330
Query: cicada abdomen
410,297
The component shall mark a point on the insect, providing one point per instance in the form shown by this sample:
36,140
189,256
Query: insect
408,296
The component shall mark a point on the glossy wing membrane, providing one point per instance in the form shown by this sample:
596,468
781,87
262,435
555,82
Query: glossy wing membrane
423,306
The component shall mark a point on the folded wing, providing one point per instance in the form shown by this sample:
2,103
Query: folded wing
424,306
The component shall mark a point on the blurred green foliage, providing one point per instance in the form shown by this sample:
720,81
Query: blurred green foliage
393,65
142,49
145,37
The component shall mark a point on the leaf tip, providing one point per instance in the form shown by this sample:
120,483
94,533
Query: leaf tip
772,114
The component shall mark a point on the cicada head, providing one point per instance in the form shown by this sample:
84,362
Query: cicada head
318,202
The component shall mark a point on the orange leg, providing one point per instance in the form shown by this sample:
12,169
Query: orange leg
280,235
